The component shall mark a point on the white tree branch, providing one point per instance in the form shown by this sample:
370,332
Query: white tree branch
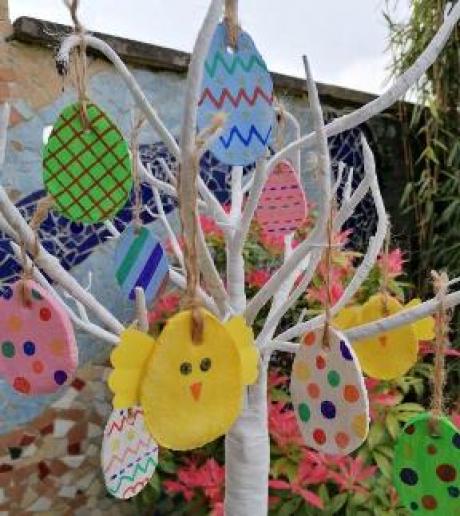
317,236
51,265
189,150
397,91
368,261
142,315
63,56
80,322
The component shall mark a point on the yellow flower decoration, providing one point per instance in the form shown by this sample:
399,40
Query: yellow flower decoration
390,354
191,393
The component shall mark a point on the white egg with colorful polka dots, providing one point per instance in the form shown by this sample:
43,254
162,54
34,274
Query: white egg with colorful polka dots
329,395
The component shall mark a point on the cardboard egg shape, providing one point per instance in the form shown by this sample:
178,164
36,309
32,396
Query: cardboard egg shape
236,82
38,350
129,454
87,169
426,466
282,207
328,394
141,261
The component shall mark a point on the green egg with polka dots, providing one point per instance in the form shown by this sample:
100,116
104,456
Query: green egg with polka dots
426,467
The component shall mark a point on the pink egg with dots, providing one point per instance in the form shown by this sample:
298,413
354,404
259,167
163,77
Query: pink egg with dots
38,350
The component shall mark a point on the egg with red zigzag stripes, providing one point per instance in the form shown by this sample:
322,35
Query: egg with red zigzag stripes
282,207
329,395
129,454
236,82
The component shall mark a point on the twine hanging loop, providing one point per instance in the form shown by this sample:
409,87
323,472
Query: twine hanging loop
441,287
81,64
231,22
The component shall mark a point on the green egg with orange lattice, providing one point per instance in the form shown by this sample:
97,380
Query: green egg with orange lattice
426,466
87,167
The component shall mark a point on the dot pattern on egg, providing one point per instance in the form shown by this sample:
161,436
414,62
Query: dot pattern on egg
38,350
426,468
329,395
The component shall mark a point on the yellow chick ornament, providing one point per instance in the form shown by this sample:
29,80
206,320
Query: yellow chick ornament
191,393
391,354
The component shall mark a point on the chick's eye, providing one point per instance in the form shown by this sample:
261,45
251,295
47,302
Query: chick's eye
205,364
185,368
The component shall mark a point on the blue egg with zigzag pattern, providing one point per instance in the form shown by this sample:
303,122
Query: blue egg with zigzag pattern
236,82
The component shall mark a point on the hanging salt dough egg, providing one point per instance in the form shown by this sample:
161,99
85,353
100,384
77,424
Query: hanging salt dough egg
329,395
191,393
236,82
141,261
390,354
129,454
426,467
87,170
38,351
282,207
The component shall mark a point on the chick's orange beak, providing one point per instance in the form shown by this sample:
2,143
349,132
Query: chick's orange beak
195,389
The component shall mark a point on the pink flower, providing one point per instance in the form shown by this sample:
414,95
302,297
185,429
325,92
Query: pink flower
208,478
272,243
352,474
275,378
455,416
209,226
310,472
427,348
379,400
320,294
258,277
282,424
164,307
394,263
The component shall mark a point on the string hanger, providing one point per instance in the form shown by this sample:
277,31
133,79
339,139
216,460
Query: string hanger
192,268
81,64
328,278
231,22
40,215
441,288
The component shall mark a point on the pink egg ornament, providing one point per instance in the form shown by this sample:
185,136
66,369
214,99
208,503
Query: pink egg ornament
38,350
282,207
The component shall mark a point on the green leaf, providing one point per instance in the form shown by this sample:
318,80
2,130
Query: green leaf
383,463
392,425
376,435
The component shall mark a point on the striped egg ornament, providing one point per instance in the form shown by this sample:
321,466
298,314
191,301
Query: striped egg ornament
141,261
236,82
282,207
129,454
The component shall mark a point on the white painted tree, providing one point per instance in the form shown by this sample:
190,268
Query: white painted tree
247,443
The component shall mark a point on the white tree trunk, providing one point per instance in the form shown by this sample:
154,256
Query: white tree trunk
247,456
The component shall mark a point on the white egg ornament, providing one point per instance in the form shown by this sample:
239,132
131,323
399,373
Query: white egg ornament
329,395
129,454
236,82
